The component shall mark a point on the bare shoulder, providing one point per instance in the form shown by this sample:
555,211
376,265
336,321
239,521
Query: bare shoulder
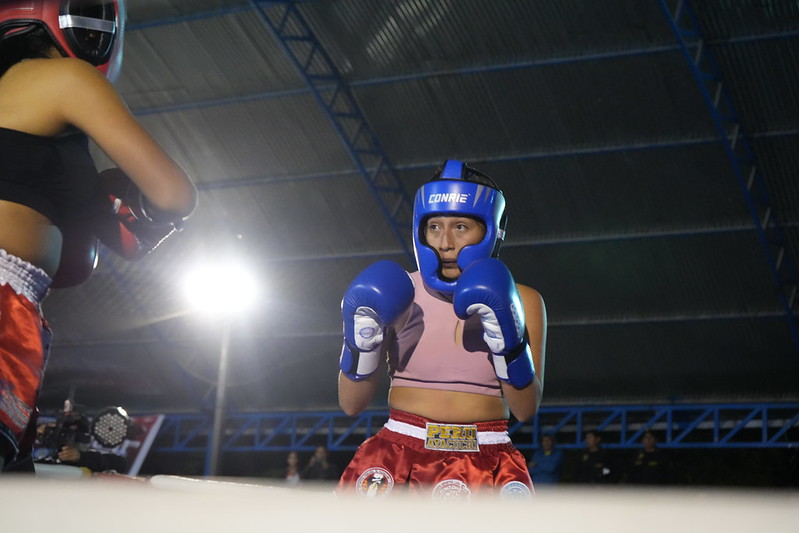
529,293
81,95
532,300
82,74
34,94
56,79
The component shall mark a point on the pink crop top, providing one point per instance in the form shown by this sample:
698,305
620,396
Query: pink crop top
427,355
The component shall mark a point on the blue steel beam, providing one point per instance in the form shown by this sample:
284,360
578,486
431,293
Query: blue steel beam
293,33
746,425
782,265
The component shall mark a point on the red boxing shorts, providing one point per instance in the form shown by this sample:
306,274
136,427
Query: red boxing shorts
24,344
418,456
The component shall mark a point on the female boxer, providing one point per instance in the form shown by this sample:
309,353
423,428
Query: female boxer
463,342
57,61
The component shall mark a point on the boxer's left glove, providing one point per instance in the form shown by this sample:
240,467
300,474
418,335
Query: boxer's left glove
375,299
486,288
126,222
78,258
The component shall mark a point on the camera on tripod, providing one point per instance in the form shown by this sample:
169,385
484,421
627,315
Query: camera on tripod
74,429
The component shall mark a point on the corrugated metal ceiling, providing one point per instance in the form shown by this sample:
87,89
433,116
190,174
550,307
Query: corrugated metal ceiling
624,208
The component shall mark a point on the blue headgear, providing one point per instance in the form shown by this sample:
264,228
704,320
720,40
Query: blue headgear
457,190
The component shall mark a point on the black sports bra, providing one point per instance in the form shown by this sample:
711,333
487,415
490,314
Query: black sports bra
55,176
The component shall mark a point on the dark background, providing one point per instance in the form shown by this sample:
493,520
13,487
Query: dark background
625,207
761,468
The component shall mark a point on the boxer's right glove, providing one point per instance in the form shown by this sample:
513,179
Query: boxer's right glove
375,299
127,224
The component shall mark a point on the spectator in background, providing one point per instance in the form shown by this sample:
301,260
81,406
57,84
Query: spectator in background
319,467
546,462
594,466
289,475
650,466
92,459
71,442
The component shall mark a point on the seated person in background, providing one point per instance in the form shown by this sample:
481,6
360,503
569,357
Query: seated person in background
546,461
319,467
288,474
594,465
93,459
70,442
650,465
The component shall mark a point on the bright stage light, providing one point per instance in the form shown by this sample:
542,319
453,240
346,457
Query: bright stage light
221,289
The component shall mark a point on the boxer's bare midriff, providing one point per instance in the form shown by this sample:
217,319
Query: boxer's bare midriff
30,236
447,406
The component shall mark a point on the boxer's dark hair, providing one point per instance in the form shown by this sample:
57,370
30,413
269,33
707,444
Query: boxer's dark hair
29,44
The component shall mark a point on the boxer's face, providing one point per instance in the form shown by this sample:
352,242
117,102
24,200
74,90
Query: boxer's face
448,235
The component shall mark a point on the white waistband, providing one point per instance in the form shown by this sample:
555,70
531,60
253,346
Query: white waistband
483,437
26,279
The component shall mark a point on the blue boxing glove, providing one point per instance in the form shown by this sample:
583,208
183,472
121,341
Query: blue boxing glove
375,299
486,288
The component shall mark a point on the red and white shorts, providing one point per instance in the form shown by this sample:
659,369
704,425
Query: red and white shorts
24,344
418,456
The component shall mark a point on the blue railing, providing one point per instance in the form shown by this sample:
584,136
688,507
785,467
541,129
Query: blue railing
734,425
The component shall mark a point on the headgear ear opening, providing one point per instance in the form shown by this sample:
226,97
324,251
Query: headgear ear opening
457,190
91,30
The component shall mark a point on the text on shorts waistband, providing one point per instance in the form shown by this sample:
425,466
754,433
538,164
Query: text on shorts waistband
449,437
